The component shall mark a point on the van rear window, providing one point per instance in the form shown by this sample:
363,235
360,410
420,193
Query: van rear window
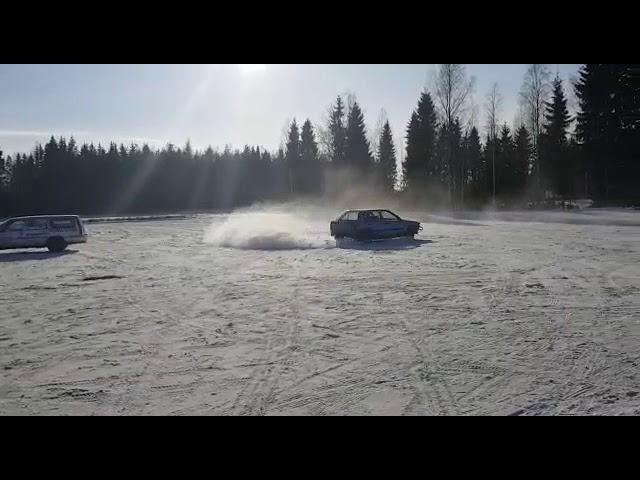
64,224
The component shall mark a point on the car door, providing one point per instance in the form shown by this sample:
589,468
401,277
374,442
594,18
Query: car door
392,225
369,224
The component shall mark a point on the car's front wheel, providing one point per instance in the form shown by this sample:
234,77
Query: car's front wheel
56,244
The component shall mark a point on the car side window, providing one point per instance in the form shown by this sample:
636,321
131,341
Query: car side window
16,226
352,216
388,216
369,216
38,224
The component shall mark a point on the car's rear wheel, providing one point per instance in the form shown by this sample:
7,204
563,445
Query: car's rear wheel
56,244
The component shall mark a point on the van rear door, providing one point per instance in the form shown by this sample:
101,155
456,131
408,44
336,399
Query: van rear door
83,231
65,226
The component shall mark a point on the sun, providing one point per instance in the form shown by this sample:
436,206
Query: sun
249,69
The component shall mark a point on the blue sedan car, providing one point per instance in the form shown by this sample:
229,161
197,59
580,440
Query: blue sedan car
372,225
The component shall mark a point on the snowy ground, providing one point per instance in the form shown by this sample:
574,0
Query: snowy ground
260,313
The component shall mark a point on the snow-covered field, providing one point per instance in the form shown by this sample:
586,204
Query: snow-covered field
260,313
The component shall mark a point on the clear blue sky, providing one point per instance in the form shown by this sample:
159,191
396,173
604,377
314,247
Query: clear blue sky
215,104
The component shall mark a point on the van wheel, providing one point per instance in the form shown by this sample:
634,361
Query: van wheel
56,244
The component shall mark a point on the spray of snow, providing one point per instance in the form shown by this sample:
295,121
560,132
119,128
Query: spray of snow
269,230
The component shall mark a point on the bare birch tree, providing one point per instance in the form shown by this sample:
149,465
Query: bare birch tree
534,94
493,105
453,90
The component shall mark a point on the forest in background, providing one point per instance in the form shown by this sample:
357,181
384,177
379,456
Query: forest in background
545,155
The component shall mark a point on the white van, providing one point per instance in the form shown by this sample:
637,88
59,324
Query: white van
54,232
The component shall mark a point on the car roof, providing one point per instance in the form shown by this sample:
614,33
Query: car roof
30,217
367,210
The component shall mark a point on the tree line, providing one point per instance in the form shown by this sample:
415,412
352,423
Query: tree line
545,154
63,177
